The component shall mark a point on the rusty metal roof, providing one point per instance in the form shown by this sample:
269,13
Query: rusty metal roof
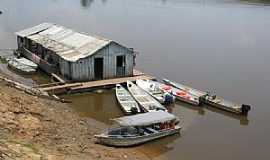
68,44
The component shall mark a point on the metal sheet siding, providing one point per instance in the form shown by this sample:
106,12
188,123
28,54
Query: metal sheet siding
83,69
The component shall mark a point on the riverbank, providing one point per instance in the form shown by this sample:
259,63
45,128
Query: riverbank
36,128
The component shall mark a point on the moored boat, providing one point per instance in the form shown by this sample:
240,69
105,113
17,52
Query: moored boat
226,105
180,94
22,65
140,128
126,101
212,100
153,89
188,89
146,101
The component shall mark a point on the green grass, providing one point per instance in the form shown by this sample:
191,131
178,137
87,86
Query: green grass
3,60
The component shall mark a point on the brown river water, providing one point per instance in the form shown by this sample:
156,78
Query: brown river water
215,45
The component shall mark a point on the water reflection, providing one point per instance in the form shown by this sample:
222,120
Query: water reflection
202,111
86,3
158,147
243,119
198,109
100,106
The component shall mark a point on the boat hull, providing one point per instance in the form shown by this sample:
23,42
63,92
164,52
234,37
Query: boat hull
227,105
21,71
146,101
186,97
217,102
127,103
132,141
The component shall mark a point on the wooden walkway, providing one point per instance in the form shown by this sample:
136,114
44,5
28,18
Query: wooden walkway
79,86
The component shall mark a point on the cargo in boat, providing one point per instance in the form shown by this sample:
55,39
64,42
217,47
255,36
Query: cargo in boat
153,89
212,100
180,94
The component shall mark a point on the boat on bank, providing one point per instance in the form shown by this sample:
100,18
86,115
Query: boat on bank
212,100
127,102
146,101
22,65
140,128
153,89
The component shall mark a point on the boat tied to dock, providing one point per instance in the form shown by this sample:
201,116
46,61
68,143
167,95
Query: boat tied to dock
140,128
179,94
146,101
152,88
212,100
126,101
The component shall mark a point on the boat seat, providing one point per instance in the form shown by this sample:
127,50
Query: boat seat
152,130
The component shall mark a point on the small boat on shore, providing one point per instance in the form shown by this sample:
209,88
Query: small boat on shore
212,100
153,89
140,128
146,101
126,101
22,65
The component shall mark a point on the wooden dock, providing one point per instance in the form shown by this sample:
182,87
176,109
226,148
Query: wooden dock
81,86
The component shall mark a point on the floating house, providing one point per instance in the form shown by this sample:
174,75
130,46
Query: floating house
73,55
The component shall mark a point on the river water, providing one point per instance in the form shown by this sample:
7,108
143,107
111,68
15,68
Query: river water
215,45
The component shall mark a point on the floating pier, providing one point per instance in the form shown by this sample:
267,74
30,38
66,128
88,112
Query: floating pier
61,88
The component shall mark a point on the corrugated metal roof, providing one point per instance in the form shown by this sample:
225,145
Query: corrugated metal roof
67,43
145,119
34,29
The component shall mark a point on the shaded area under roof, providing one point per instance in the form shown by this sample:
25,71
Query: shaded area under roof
145,119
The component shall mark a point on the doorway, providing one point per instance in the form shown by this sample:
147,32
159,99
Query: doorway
120,66
98,67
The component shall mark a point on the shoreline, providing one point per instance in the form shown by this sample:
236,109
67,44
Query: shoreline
37,128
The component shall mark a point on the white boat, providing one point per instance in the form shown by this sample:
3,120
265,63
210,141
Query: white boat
146,101
126,101
140,128
181,95
188,89
22,65
226,105
212,100
153,89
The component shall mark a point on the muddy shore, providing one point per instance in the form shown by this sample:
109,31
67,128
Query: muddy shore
36,128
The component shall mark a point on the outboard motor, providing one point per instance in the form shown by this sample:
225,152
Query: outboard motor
168,98
245,108
134,110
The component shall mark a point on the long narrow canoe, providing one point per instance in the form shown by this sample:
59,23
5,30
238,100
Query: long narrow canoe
126,101
188,89
153,89
179,94
212,100
144,99
221,103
